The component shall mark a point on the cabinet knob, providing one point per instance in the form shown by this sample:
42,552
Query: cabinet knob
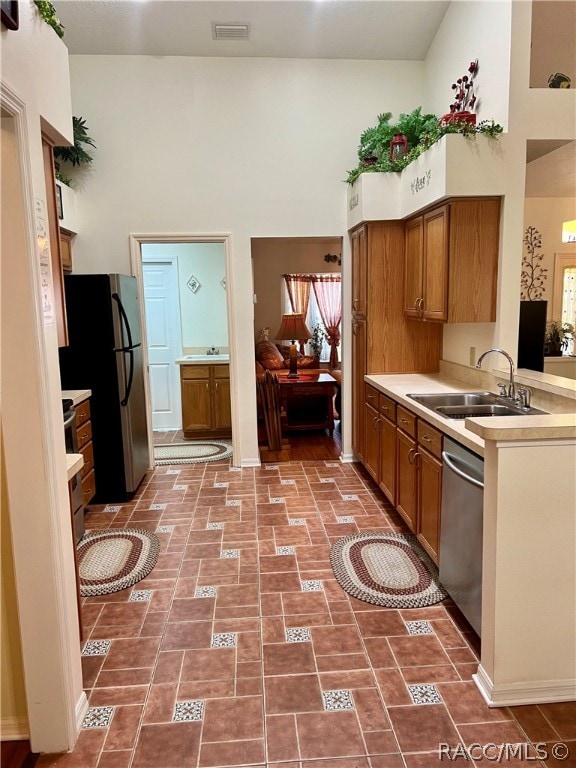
426,439
403,421
355,304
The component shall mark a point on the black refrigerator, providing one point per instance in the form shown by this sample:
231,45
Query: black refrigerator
104,355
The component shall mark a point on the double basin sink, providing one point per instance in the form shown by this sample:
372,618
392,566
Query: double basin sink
465,405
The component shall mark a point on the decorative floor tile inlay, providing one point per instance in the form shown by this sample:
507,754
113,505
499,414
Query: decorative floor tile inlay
96,648
184,711
345,519
312,585
172,471
215,527
327,480
112,508
220,485
206,592
334,700
165,528
270,467
419,628
298,635
287,482
180,488
349,497
424,693
331,464
233,503
235,469
297,521
98,717
230,554
158,506
224,640
140,596
277,500
285,550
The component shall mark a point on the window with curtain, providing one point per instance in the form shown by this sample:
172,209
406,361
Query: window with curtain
322,303
569,302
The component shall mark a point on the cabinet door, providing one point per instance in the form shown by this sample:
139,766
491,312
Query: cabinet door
387,472
222,411
359,244
430,497
406,495
371,440
413,268
358,369
435,305
196,411
66,250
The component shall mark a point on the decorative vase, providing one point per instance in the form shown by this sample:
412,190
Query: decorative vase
459,117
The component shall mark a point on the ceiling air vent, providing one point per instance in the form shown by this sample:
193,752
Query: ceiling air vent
230,31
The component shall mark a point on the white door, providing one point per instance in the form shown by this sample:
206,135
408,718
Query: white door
162,309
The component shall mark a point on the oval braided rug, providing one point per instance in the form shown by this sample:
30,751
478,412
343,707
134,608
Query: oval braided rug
115,559
192,452
388,569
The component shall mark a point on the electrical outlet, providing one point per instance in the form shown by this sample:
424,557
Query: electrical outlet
472,355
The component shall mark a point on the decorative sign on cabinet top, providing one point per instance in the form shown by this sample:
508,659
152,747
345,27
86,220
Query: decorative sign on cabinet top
453,167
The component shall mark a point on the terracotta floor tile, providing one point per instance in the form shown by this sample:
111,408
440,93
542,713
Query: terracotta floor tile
466,705
331,640
356,678
290,694
284,563
313,603
381,743
184,635
380,623
392,686
85,754
206,689
281,737
173,745
506,732
441,673
568,748
280,582
126,654
288,659
379,652
118,695
344,762
190,609
417,650
562,717
371,710
160,704
233,719
239,595
421,728
168,667
124,677
123,728
329,734
534,723
342,662
116,759
232,754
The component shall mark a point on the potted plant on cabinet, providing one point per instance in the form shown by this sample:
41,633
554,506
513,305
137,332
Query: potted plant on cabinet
75,155
557,338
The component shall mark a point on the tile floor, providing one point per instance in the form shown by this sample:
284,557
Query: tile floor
240,648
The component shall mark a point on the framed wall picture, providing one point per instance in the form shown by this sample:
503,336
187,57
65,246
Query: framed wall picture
9,13
59,201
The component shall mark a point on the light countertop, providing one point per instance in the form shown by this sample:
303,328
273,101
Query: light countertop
76,395
470,432
74,463
202,359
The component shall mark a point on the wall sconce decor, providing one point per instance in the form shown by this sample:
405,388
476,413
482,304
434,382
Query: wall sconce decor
332,258
398,147
193,283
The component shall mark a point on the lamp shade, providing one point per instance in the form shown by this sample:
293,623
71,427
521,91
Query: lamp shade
293,327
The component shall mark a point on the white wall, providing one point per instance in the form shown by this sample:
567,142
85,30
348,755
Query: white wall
253,147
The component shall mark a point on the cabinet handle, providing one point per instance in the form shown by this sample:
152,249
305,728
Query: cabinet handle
411,454
404,421
376,423
355,304
426,439
417,460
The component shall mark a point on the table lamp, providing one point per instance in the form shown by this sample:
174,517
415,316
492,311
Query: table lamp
293,328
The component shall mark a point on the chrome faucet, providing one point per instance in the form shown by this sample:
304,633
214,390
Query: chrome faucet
212,351
511,391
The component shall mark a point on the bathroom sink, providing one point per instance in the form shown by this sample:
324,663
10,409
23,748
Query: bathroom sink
454,398
207,358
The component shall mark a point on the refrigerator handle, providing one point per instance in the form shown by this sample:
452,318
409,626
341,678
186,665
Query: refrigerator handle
124,318
130,377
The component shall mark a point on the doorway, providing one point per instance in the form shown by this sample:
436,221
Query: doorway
185,311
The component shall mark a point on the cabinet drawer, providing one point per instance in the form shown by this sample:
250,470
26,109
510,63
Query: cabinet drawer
88,487
84,433
195,371
430,438
82,412
371,396
88,452
388,408
221,371
406,420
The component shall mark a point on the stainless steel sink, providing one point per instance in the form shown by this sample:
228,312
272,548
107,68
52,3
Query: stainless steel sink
454,398
464,405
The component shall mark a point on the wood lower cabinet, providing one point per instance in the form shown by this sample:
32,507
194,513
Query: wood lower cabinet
358,371
429,501
380,440
406,479
452,262
206,408
86,448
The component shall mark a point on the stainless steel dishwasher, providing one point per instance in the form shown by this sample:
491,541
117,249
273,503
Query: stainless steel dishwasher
461,529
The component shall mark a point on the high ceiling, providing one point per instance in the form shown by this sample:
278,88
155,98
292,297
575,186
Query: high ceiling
323,29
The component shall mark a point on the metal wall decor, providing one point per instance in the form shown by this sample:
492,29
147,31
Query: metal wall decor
193,283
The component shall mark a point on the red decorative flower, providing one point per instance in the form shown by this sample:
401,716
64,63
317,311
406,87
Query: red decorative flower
464,87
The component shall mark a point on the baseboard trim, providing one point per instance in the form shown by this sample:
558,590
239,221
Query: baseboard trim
81,710
14,728
250,463
516,694
347,458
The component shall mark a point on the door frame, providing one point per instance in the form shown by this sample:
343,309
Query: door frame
136,241
173,261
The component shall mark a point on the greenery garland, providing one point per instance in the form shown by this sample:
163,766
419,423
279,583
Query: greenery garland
422,131
48,13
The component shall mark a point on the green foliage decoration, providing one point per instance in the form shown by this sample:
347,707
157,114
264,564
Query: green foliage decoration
318,336
48,13
76,154
422,131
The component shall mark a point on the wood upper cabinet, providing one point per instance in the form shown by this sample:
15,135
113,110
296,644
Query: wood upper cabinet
206,408
452,262
359,243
